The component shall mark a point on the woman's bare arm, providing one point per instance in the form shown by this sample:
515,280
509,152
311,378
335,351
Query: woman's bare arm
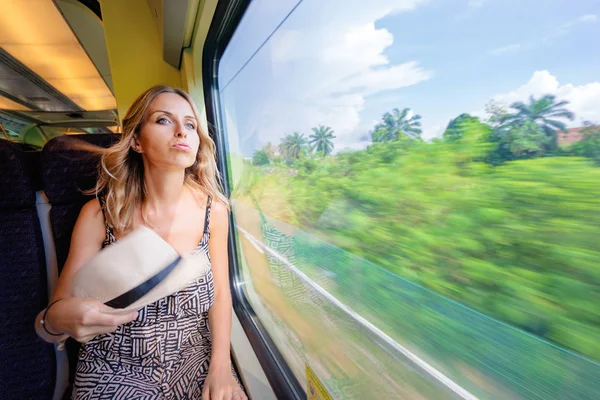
72,316
219,314
86,241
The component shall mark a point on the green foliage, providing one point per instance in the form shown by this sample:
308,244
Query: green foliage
260,158
517,242
529,131
544,112
495,215
396,124
589,146
292,146
321,141
526,140
453,131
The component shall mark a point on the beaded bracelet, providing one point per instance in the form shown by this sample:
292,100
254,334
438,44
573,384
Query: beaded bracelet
43,320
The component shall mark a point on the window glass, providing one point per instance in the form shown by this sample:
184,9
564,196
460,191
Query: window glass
261,19
415,191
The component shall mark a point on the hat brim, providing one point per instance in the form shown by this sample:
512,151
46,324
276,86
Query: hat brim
137,270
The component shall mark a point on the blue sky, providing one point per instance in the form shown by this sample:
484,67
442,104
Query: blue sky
343,63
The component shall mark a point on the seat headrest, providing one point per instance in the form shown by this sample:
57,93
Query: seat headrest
16,190
66,171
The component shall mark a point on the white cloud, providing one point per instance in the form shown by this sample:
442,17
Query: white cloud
323,68
584,100
588,18
548,39
505,49
566,28
476,3
472,7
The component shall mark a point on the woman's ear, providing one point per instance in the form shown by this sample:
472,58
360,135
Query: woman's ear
135,144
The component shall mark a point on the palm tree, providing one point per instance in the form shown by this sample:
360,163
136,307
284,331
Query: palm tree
292,145
395,124
545,112
321,141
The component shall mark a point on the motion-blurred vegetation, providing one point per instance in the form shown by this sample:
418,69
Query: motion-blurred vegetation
495,214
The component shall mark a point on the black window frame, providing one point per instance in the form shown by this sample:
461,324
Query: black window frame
227,18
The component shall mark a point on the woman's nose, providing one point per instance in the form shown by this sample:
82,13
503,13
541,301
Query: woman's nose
180,131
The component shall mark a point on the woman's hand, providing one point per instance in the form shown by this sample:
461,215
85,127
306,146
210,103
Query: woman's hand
221,385
82,319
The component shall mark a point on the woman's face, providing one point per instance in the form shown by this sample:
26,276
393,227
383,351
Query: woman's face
168,137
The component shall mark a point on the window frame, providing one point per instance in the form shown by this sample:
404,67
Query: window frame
227,18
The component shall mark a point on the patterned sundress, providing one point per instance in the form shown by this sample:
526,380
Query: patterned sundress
163,354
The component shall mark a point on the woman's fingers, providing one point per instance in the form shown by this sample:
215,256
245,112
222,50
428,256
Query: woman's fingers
80,318
98,329
228,393
239,394
96,320
206,393
89,333
220,394
100,318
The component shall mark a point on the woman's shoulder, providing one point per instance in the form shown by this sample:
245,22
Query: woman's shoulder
213,204
90,223
218,206
219,215
92,210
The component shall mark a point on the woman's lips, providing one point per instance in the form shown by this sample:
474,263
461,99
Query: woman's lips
182,146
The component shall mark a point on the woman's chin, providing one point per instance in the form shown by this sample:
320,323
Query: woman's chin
184,161
178,165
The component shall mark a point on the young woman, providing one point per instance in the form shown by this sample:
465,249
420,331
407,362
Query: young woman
161,174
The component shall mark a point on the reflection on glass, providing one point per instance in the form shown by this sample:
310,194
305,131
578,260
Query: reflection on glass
415,189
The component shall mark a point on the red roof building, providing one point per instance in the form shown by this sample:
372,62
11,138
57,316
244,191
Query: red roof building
574,135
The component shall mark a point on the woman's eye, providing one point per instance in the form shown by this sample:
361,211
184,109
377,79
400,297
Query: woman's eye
162,120
190,126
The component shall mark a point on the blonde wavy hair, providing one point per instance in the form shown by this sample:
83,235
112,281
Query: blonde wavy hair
121,170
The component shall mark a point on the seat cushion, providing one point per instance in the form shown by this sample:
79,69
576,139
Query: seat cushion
27,364
16,190
67,172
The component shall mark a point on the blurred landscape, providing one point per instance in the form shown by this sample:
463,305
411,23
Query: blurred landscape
477,250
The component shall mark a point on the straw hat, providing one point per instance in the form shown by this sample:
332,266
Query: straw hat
137,270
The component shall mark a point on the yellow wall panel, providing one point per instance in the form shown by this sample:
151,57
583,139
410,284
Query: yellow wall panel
134,50
191,63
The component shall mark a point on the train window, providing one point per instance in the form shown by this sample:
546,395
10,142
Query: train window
415,193
261,20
